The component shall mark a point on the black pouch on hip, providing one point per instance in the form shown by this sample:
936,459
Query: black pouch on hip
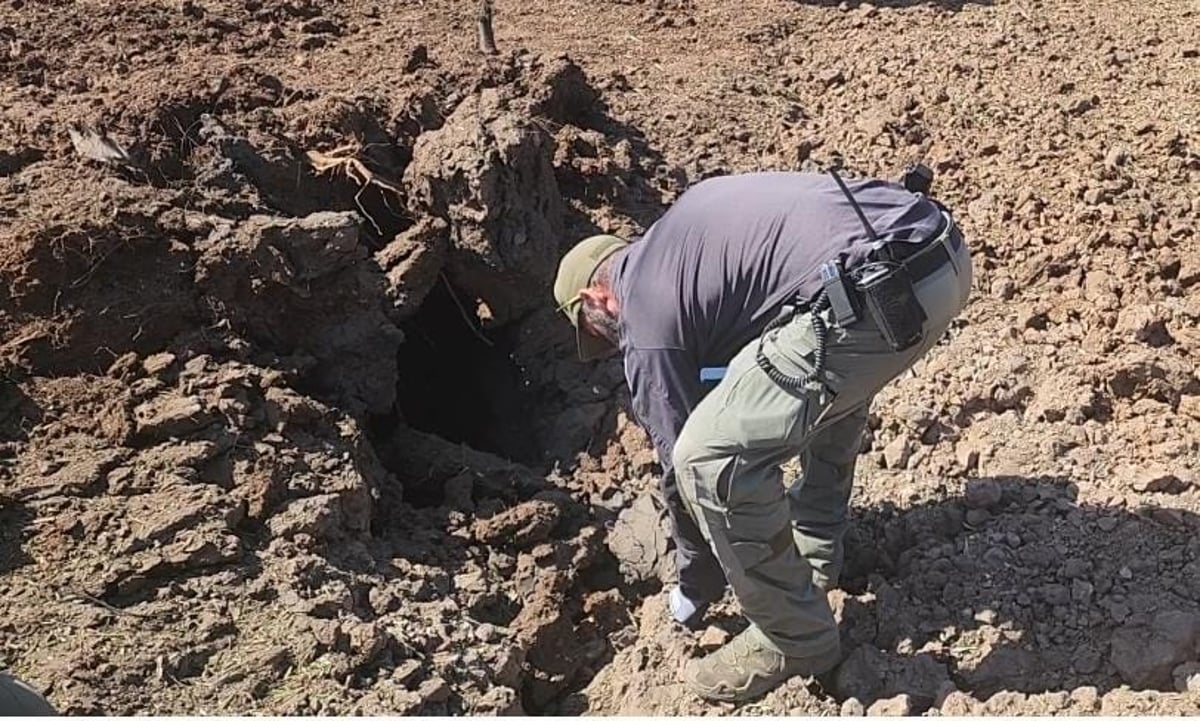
887,292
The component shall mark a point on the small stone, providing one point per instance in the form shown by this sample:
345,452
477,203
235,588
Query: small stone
1056,594
319,26
982,493
968,456
1086,661
508,667
1187,677
900,705
1080,104
919,417
406,672
1107,523
1190,406
417,57
897,453
434,690
639,539
713,638
976,517
1157,479
1145,655
995,556
987,617
853,707
158,363
50,467
1057,700
472,581
366,639
1189,270
869,674
1075,568
522,526
1081,591
1087,697
485,632
957,703
831,77
1145,323
499,701
170,415
1168,516
384,599
1116,157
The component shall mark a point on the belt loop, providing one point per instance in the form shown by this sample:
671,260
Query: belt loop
947,236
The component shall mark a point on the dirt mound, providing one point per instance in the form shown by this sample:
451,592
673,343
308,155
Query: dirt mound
287,425
191,368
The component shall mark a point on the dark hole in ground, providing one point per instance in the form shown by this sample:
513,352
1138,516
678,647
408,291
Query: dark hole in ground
495,608
425,495
383,214
457,385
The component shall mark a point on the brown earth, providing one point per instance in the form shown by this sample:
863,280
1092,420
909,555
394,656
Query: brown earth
286,425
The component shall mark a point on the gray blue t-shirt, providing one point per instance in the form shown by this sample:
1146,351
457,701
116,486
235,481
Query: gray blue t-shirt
718,265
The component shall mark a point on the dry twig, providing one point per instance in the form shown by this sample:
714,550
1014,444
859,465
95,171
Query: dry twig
345,159
465,315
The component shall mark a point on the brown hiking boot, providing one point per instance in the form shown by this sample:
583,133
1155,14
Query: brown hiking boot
749,666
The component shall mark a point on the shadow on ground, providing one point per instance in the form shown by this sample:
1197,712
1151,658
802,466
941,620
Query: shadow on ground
1014,587
15,521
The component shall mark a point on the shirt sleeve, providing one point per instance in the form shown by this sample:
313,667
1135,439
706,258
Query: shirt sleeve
664,386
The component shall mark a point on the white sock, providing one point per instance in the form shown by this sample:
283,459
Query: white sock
682,607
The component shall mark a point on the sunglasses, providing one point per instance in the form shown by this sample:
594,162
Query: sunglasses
570,302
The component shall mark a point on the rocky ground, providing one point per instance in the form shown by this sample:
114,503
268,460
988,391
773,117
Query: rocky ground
287,425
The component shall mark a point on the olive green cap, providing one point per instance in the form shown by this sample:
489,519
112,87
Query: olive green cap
575,272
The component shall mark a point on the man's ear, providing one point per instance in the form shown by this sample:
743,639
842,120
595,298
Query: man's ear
599,297
595,296
590,295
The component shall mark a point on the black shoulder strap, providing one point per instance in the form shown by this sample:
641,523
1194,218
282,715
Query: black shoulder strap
861,215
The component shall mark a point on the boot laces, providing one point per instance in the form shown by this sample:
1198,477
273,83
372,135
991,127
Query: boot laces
741,650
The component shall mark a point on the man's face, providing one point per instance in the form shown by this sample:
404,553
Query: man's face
598,317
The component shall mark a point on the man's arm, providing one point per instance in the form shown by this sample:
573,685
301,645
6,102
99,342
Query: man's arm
665,387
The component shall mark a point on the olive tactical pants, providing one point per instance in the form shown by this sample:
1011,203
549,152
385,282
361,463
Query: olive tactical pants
781,550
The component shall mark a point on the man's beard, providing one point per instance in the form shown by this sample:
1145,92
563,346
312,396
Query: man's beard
603,323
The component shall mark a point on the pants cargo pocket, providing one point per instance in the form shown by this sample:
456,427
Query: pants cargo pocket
750,554
698,482
755,552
